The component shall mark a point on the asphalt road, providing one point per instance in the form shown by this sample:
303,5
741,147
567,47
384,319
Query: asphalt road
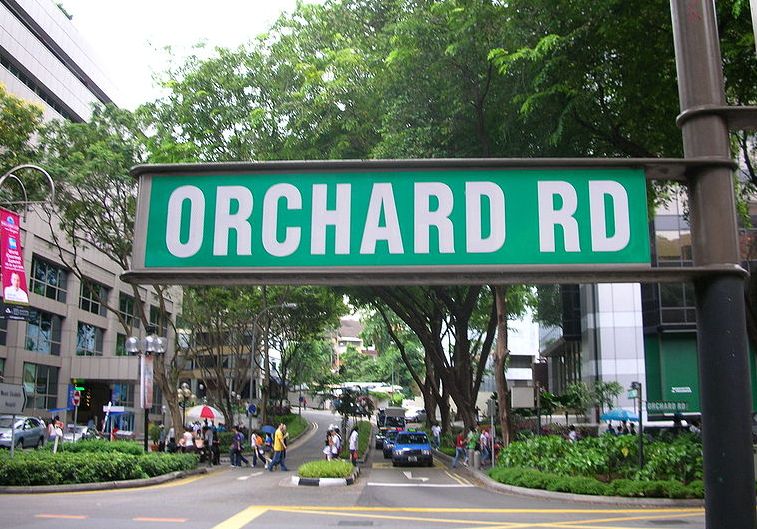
235,498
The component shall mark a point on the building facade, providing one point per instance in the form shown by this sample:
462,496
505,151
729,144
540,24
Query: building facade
71,338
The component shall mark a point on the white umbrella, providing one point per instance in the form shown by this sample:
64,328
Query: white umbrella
203,411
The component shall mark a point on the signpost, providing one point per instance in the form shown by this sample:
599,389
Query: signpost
12,402
76,400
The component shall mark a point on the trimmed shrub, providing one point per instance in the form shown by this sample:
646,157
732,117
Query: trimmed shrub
46,468
101,446
335,468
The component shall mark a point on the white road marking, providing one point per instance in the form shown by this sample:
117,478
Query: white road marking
409,475
436,485
244,478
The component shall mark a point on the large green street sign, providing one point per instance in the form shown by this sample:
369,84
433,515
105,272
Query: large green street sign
257,221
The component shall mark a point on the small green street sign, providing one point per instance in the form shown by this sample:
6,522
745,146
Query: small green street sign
403,219
664,406
633,394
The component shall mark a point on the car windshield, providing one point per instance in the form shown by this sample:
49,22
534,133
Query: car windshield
5,422
391,435
394,421
412,439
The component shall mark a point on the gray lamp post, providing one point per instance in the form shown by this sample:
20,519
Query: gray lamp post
152,344
184,394
252,348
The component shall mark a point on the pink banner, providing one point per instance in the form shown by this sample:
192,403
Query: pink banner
13,276
145,392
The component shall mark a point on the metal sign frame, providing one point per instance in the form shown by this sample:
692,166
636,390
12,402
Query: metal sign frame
654,169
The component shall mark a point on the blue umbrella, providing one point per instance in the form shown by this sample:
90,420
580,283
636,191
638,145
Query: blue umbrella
268,429
618,414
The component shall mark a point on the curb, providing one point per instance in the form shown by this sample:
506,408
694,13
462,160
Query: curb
488,483
327,482
102,485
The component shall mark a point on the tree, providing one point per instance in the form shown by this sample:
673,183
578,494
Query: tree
19,122
606,393
95,208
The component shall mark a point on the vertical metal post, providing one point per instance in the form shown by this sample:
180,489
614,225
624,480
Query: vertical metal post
721,319
13,434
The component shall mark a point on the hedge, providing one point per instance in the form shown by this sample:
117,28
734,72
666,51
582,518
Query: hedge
46,468
364,436
100,446
535,479
326,469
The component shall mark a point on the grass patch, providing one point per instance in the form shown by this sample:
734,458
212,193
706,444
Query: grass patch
326,469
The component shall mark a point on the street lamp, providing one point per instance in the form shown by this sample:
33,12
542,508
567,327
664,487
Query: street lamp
146,347
252,349
184,394
637,387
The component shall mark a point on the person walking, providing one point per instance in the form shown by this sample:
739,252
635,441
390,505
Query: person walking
485,445
459,449
354,435
436,433
278,448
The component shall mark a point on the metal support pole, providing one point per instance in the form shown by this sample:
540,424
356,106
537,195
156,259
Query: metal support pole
641,426
721,320
147,426
13,434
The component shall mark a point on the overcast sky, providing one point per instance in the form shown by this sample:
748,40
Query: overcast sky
129,37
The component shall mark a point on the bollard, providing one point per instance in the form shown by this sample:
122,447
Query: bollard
476,460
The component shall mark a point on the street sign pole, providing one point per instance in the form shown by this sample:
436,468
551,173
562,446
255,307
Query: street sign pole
721,318
77,401
13,434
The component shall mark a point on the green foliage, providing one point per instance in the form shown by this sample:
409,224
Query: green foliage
19,121
335,468
606,393
101,446
46,468
608,457
154,432
535,479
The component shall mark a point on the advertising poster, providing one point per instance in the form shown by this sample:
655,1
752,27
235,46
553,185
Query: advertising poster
13,276
145,392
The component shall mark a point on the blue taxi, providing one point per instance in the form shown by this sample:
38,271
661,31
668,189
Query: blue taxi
412,448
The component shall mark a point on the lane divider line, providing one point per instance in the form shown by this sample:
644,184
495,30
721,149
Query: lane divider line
62,516
152,519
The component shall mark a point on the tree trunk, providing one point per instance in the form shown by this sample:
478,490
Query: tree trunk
445,412
500,361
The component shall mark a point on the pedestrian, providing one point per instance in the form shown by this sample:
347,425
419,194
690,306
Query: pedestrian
55,432
258,447
240,455
625,430
278,447
327,449
572,434
208,436
436,433
234,447
472,442
459,449
161,438
336,443
353,445
286,442
610,430
633,429
484,444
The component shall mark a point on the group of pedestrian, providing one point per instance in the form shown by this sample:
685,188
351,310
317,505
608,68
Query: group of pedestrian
332,445
477,439
261,444
623,429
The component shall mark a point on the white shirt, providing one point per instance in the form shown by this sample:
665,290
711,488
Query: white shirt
353,440
436,430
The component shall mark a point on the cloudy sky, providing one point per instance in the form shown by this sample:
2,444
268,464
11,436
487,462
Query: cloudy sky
129,37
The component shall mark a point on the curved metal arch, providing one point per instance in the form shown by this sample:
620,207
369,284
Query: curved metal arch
10,174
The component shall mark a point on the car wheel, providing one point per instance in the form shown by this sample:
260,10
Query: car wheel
395,464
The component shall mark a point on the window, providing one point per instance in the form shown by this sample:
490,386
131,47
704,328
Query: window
123,394
121,345
93,297
127,306
2,369
43,332
89,340
159,320
677,303
3,331
48,280
157,401
520,361
41,386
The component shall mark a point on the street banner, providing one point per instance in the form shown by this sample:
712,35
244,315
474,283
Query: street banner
13,277
146,382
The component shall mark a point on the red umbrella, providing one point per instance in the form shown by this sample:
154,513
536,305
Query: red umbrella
207,413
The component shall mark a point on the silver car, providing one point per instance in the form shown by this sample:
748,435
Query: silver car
30,432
